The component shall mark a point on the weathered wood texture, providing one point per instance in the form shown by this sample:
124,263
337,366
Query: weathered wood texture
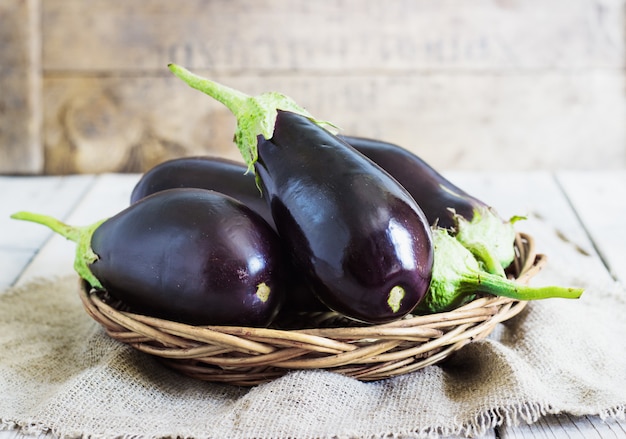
332,36
20,87
468,85
595,202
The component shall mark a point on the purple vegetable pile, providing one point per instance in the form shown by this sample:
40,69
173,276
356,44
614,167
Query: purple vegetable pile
310,221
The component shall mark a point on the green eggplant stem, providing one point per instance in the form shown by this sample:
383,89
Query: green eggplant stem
256,115
499,286
70,232
80,235
232,99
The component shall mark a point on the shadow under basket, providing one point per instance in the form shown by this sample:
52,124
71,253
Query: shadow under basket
248,356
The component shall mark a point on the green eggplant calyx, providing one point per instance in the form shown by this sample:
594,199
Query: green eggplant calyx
85,256
489,238
256,115
457,277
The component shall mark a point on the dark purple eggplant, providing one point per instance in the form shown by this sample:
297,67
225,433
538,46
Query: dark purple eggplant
230,178
474,223
352,229
188,255
354,232
439,198
214,173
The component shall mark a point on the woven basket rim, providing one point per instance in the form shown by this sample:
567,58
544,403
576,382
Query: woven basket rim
248,355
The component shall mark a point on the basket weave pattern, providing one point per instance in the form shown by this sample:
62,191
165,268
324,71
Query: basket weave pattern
249,356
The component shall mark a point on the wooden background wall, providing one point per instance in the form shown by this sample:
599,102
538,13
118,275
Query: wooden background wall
467,84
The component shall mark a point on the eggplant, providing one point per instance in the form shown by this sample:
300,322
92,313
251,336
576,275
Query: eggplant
230,178
213,173
188,255
439,198
474,223
354,232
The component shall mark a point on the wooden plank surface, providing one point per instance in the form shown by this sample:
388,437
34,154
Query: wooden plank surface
21,149
464,121
566,427
596,199
340,36
402,71
480,85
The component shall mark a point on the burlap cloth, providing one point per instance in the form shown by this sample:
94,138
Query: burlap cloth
59,372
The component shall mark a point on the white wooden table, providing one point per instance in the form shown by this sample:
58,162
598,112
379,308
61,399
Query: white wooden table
577,219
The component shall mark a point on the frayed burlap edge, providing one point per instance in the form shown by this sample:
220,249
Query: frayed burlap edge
515,415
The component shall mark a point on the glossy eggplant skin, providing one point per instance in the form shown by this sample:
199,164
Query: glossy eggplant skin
213,173
355,233
434,193
230,178
193,256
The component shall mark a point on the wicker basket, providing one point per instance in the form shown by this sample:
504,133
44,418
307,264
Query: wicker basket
250,356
